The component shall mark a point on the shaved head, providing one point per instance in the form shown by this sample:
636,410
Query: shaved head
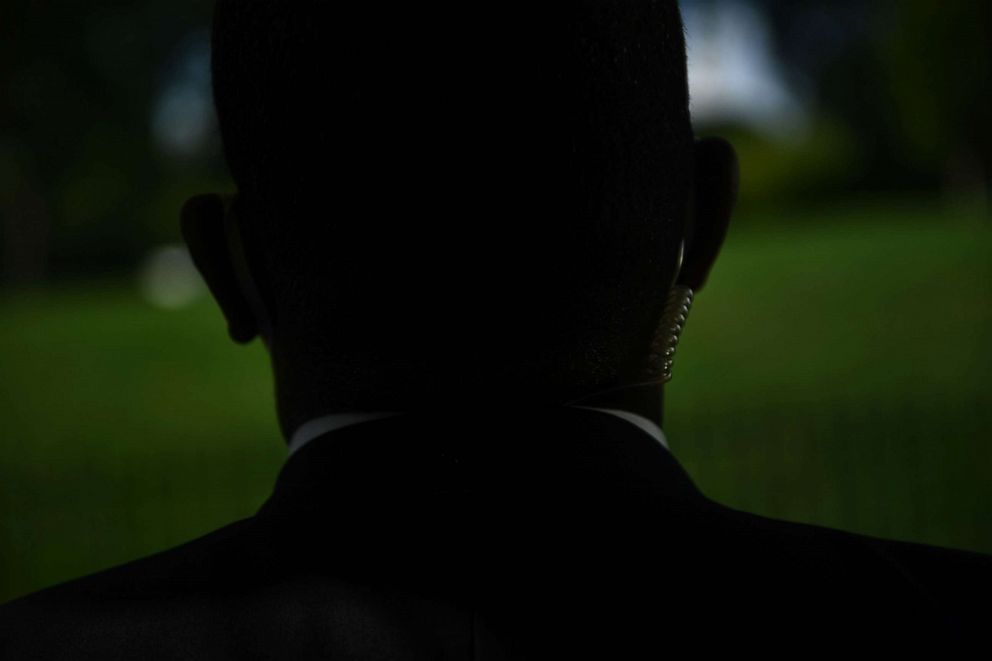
441,196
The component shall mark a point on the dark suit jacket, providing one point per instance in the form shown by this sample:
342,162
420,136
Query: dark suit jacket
560,533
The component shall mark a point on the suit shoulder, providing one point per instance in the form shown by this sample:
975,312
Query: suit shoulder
233,593
120,601
924,562
940,582
157,575
953,576
957,582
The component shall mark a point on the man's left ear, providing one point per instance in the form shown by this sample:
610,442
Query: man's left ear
202,224
716,179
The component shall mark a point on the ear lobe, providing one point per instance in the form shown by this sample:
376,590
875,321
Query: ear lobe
716,179
202,225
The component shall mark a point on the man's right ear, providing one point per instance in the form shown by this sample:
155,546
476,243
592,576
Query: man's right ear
202,224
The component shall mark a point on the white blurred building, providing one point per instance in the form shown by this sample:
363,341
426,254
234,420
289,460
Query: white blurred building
733,74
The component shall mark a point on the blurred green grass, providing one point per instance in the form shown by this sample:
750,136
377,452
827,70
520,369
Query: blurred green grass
833,372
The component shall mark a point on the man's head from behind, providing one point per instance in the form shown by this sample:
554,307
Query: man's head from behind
447,201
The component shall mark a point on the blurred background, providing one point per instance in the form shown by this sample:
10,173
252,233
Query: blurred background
833,372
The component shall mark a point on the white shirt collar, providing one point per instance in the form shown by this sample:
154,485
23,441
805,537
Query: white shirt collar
319,426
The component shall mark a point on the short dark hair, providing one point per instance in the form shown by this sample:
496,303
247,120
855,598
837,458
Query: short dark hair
433,182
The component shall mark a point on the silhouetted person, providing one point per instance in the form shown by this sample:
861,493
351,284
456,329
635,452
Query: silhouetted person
456,230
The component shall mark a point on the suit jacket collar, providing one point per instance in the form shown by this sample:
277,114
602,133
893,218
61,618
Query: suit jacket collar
317,427
482,452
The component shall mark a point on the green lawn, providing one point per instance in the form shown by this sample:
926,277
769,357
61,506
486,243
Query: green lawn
833,372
